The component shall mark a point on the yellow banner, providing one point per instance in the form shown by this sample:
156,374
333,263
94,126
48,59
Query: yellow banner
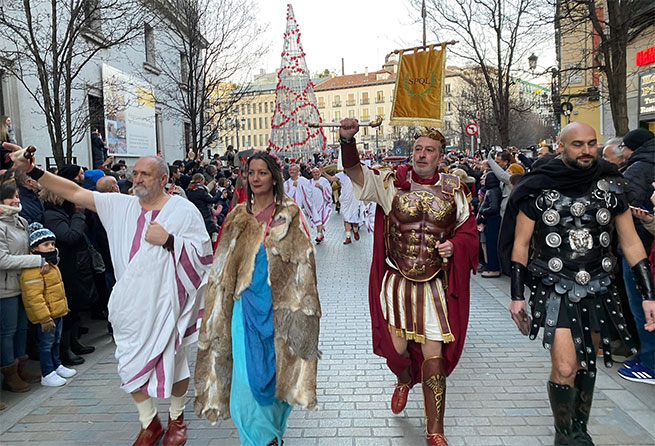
419,88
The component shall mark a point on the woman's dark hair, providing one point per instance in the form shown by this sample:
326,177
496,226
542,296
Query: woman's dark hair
276,173
7,190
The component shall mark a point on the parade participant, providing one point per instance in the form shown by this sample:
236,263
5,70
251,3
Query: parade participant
321,199
298,189
425,245
351,207
161,257
566,213
258,343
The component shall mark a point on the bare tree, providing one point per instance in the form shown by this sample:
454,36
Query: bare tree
613,25
493,35
48,43
218,46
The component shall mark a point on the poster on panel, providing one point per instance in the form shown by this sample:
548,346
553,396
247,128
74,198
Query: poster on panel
129,114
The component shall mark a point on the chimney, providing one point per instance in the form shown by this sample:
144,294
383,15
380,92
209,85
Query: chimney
366,71
343,71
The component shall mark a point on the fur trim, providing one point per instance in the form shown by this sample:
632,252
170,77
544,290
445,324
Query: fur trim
296,308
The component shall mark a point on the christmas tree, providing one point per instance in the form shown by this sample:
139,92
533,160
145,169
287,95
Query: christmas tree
295,103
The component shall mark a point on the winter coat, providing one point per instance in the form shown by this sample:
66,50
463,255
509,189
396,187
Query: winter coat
74,256
98,150
14,253
44,296
201,198
32,205
491,205
640,171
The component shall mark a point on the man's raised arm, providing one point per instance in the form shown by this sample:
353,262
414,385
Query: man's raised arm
349,154
61,186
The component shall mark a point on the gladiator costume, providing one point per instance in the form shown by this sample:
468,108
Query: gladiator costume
571,276
413,291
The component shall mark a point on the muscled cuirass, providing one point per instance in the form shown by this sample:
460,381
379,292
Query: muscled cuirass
420,218
572,241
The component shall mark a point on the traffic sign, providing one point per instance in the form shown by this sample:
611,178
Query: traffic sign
472,129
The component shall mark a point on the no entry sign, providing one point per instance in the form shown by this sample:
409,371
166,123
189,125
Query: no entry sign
472,129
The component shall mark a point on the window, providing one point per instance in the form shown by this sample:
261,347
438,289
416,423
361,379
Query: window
380,112
260,121
254,123
92,17
150,43
379,97
351,99
249,123
249,143
260,108
337,116
184,69
365,132
265,107
243,109
365,115
337,101
448,107
243,141
351,113
447,125
364,98
272,106
187,136
447,89
266,123
248,108
261,140
321,102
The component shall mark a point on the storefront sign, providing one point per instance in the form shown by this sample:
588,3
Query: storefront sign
647,96
646,56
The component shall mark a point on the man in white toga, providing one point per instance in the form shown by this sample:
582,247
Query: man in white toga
161,255
321,199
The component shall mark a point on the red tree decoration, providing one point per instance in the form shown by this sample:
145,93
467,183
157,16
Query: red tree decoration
295,103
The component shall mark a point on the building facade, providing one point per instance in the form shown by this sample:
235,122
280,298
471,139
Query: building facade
139,60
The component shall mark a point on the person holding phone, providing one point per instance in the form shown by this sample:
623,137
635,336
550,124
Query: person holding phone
559,227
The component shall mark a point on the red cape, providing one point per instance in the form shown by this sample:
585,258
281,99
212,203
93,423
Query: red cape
465,258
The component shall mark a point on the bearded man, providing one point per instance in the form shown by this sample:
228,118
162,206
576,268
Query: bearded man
161,259
559,227
425,245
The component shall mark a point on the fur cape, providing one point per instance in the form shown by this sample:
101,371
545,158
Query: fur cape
296,308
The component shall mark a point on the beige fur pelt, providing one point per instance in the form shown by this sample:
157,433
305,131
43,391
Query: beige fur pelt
296,308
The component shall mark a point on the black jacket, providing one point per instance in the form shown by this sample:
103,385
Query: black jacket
204,201
98,150
640,171
74,257
493,196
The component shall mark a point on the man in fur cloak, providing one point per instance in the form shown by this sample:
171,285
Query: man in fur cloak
425,245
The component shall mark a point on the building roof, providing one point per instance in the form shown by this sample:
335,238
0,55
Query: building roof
261,88
357,80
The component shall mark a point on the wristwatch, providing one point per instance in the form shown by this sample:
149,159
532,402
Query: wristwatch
345,141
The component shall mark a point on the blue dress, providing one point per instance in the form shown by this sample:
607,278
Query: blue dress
258,416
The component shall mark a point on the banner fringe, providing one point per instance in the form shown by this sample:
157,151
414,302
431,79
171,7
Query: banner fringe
415,122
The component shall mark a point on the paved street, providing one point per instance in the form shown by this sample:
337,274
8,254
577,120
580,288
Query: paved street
496,396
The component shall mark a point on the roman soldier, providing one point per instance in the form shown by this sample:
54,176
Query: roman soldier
425,245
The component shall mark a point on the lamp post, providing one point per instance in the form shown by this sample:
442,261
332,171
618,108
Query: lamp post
237,123
554,88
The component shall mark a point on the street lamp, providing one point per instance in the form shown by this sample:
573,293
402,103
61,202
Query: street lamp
554,87
237,123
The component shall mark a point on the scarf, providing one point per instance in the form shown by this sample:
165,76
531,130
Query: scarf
401,177
10,210
51,257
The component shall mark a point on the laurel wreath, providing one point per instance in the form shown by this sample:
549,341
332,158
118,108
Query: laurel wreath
427,90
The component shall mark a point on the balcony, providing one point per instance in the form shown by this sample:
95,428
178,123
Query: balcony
336,104
379,100
364,101
350,102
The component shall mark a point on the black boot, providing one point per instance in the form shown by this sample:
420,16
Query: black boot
585,387
562,402
77,347
66,356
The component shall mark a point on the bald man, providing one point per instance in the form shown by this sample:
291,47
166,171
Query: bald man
568,210
107,184
161,261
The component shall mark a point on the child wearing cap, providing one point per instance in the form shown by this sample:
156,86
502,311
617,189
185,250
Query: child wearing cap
45,303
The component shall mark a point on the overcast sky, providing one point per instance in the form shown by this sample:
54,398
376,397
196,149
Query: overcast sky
360,31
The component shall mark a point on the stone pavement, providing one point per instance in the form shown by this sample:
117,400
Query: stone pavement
496,396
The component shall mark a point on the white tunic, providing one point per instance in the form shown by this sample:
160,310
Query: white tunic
300,191
157,301
350,206
321,201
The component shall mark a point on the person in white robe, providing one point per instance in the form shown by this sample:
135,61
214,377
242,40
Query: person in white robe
321,202
350,206
161,255
299,189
